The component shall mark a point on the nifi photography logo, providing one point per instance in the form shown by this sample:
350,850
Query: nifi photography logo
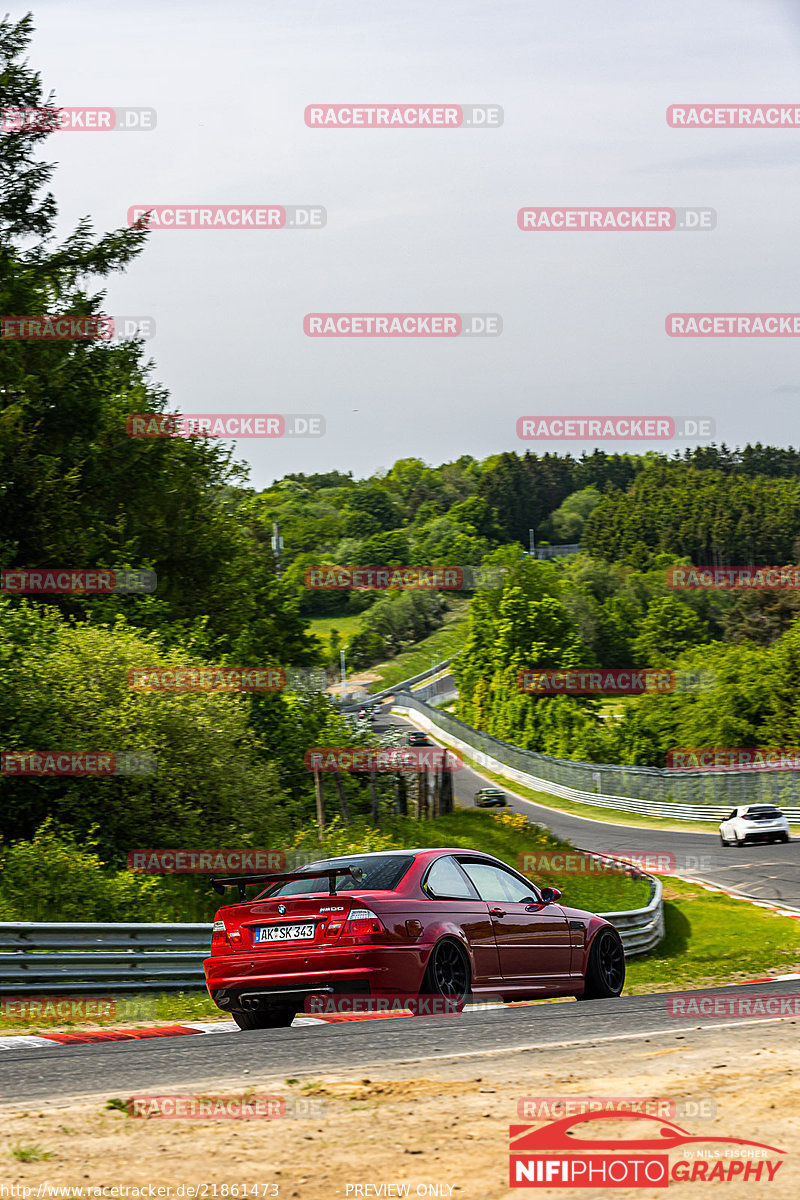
556,1155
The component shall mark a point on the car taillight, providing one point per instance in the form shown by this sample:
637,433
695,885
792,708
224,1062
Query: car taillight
363,923
224,936
219,936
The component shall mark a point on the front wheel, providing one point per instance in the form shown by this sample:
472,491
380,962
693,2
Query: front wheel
605,974
263,1018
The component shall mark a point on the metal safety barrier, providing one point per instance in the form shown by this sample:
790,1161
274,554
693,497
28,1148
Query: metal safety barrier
62,956
688,796
59,956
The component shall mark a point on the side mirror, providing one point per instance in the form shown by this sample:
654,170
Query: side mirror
551,895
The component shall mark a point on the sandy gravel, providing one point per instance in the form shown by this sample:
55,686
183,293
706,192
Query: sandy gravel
443,1130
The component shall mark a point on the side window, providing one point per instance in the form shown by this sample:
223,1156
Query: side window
731,814
446,882
493,883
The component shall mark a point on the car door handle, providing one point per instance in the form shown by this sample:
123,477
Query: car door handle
497,912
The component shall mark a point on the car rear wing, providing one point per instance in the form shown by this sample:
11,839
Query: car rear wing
243,881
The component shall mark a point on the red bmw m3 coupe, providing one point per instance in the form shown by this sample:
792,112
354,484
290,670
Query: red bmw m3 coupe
445,923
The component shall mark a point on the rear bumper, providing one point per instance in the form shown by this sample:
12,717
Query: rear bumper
289,976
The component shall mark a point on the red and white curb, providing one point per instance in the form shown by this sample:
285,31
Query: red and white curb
91,1037
80,1037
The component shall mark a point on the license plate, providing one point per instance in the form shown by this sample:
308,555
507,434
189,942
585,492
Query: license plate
285,933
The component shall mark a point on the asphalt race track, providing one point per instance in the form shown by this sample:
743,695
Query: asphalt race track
238,1059
769,872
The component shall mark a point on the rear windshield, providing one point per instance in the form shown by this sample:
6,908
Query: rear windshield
764,811
382,872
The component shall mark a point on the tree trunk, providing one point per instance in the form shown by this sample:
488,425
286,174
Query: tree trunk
446,796
400,795
373,791
320,797
343,806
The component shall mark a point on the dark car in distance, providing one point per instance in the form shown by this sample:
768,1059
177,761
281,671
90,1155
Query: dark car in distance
490,798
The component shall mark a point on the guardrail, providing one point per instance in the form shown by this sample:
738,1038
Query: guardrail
61,956
528,766
404,685
641,929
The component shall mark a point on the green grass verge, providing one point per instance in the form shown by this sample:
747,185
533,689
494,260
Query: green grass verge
136,1010
713,940
444,642
346,625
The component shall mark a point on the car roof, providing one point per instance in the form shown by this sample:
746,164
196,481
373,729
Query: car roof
429,850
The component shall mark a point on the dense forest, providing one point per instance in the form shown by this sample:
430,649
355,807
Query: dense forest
77,491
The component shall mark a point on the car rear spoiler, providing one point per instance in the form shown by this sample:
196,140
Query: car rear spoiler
242,881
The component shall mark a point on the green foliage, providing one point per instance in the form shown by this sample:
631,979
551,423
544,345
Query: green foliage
667,629
568,520
395,622
65,687
706,515
52,878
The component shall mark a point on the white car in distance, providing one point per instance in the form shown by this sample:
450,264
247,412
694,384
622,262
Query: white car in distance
754,823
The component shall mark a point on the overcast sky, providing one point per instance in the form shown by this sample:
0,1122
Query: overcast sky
425,220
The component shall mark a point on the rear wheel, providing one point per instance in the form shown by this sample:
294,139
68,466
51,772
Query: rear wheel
605,974
263,1018
448,972
723,840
